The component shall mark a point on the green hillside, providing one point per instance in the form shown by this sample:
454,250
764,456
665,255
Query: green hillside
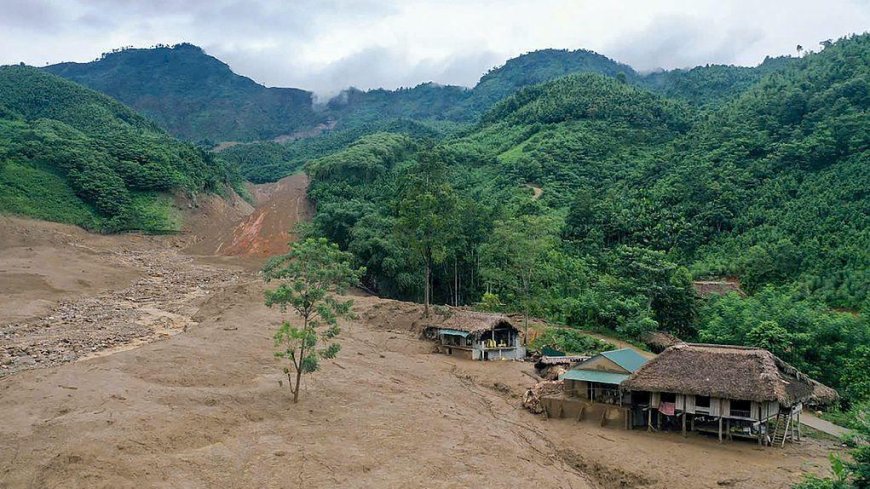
641,194
193,95
73,155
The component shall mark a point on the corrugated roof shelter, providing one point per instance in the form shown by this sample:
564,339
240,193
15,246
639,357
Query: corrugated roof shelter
599,377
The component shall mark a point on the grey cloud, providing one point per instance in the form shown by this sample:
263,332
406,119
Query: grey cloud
36,15
680,42
328,45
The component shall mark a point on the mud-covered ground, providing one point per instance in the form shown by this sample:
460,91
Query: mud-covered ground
157,371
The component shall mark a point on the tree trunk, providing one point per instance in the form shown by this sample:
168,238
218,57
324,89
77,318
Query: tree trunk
526,312
299,364
426,290
455,282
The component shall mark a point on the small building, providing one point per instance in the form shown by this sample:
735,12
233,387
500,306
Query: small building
728,390
552,367
598,378
478,336
709,288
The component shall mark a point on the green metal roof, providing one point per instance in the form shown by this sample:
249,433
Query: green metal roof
454,332
594,376
625,358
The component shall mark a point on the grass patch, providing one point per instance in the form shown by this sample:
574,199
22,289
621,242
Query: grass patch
152,213
38,191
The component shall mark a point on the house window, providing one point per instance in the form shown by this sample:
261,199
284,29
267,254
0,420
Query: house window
741,409
702,402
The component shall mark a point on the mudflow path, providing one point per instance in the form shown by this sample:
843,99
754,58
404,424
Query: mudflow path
266,231
126,362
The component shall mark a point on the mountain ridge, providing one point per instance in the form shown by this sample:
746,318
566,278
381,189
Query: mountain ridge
197,97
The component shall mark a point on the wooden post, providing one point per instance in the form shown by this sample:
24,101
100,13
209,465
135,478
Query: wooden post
684,416
799,424
759,424
720,429
649,420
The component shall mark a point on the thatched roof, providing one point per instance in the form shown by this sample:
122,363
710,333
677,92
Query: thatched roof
723,371
660,340
472,322
823,395
707,288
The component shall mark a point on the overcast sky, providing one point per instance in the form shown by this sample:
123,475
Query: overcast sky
326,45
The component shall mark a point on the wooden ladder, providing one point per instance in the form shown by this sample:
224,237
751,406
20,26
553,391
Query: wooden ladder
780,433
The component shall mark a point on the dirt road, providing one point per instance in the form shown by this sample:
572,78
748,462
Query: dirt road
202,405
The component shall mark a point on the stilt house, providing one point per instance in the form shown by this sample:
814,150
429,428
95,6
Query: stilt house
728,390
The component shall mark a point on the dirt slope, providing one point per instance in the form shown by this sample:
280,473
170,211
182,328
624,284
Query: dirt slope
198,402
205,409
264,231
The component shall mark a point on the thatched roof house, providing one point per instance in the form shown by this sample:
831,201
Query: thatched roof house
477,336
473,322
721,371
659,341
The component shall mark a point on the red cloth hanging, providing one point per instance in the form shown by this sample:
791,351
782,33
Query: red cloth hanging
667,408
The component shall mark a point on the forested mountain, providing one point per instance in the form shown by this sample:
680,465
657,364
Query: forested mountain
198,98
542,66
641,194
710,84
193,95
73,155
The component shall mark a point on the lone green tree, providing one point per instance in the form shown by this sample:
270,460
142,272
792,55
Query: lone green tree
427,215
312,276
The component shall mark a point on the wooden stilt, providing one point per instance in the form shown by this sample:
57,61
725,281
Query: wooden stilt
649,420
684,416
720,429
760,424
799,424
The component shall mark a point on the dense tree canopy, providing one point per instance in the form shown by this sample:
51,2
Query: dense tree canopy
757,175
70,154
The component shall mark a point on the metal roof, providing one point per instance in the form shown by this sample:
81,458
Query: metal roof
454,332
626,358
594,376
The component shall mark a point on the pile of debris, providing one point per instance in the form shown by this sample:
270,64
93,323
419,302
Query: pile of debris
157,305
532,397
